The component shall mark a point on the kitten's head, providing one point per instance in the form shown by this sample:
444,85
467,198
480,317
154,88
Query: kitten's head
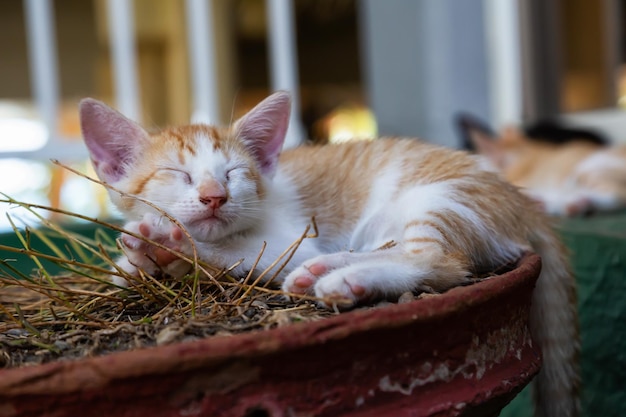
211,179
503,151
514,147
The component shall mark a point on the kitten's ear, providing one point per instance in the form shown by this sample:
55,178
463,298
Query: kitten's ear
481,139
476,135
263,129
112,139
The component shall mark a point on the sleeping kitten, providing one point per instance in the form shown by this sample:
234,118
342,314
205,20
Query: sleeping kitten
233,190
573,178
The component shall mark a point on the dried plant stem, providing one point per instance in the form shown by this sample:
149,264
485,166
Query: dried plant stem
144,201
84,306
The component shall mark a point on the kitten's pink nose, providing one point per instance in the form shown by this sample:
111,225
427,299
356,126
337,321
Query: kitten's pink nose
212,194
213,201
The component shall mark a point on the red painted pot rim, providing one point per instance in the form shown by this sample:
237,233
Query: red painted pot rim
91,373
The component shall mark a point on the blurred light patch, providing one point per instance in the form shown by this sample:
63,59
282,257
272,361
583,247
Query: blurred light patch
350,123
20,129
21,175
22,135
78,195
25,181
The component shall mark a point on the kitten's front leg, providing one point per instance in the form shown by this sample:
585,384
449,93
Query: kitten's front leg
140,254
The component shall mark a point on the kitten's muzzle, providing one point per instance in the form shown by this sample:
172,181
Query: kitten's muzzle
212,194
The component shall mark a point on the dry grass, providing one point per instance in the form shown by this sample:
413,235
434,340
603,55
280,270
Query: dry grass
79,312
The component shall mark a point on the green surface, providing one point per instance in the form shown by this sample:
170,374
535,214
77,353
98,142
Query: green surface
598,256
26,265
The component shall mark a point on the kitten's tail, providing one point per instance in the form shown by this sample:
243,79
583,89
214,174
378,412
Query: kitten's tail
554,324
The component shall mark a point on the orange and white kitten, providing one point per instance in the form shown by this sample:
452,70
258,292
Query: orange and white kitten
567,179
233,190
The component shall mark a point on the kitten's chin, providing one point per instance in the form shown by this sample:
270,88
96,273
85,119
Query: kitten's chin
209,229
214,229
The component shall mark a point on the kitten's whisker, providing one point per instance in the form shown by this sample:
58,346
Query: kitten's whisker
232,109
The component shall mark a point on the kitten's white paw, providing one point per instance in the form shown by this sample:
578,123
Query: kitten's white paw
579,207
148,257
124,264
342,289
302,279
328,278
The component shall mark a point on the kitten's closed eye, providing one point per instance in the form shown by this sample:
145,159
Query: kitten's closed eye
184,175
236,172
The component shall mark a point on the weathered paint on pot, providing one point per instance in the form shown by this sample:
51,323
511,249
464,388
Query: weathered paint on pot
464,353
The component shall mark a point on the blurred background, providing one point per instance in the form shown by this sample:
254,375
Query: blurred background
357,69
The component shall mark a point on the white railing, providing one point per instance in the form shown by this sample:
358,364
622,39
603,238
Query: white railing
43,61
203,72
124,57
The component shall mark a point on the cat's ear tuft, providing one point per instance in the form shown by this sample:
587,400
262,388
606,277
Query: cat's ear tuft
112,139
263,129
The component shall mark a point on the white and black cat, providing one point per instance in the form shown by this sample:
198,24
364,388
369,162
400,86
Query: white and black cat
576,174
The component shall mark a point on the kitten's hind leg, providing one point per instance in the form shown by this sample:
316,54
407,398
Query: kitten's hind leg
302,279
348,278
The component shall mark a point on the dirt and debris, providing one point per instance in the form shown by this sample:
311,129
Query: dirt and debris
42,325
71,317
77,318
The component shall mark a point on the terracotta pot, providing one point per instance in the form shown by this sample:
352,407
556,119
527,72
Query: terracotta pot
464,353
